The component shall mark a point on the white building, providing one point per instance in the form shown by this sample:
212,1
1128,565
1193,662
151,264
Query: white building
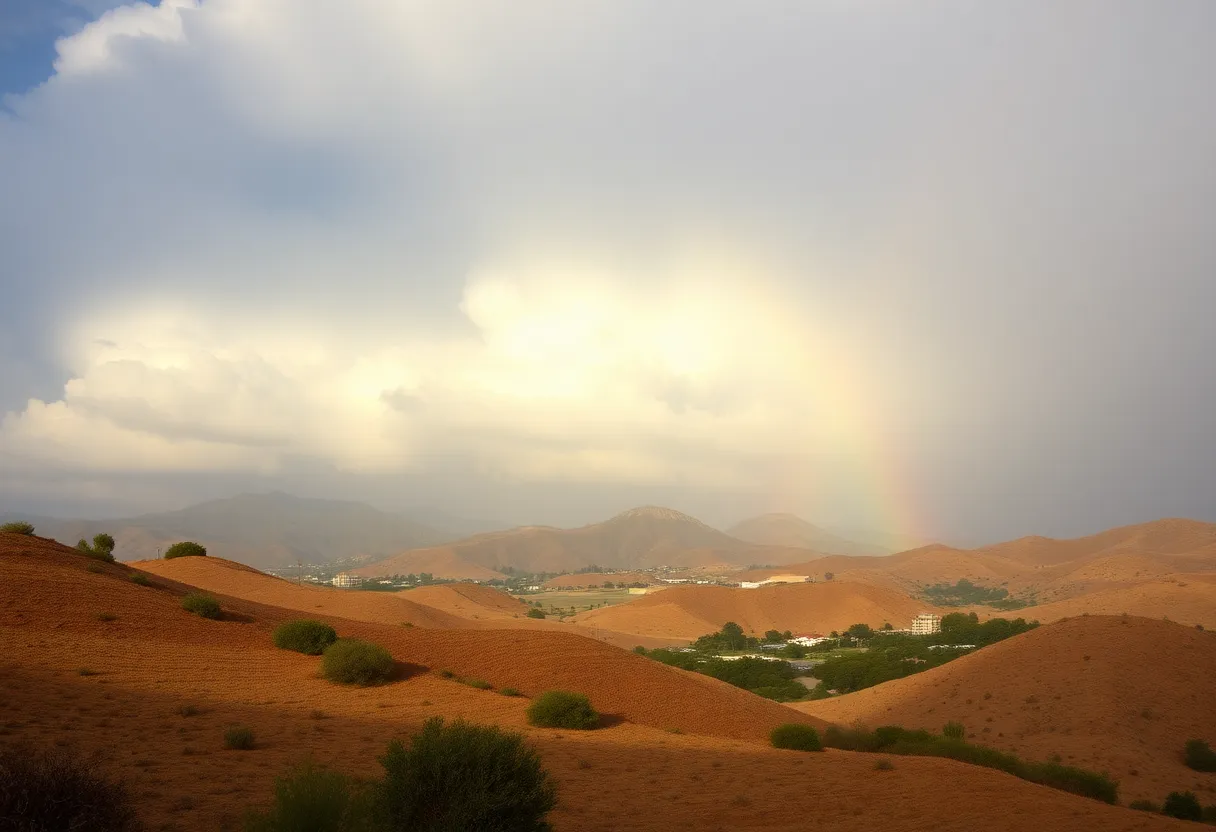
809,641
926,624
346,580
750,584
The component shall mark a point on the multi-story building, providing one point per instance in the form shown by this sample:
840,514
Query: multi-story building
346,580
926,624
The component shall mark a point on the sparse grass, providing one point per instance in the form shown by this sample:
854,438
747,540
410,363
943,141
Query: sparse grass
188,711
84,671
509,692
305,636
884,765
460,776
1144,806
202,605
106,616
239,738
95,569
53,790
140,579
795,736
674,730
350,661
317,713
1199,755
480,684
563,709
893,739
447,674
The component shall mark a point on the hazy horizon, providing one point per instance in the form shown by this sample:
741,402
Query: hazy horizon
941,270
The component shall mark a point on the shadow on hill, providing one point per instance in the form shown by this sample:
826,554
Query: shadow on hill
406,670
611,720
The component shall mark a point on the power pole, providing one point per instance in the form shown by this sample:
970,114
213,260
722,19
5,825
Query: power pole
300,573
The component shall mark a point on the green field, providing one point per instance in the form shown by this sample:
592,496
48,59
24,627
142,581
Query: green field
579,599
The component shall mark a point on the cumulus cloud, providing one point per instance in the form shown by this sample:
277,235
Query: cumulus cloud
788,253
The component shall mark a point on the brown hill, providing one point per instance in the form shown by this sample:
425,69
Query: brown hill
686,612
634,539
586,579
792,532
442,562
1120,694
1188,599
149,660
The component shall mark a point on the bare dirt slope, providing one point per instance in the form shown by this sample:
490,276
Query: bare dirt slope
793,532
1113,693
442,562
150,659
686,612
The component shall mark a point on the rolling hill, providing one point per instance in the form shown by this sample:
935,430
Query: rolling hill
792,532
1115,693
686,612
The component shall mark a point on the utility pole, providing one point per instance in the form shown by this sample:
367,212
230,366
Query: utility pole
300,573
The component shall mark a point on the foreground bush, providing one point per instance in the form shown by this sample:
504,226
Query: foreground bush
349,661
796,737
1200,756
563,709
185,549
311,799
893,739
1182,805
18,527
304,636
202,605
41,792
461,776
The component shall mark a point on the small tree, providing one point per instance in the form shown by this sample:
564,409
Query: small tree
860,632
18,527
1200,756
202,605
185,549
563,709
102,548
795,736
349,661
1182,805
304,635
536,612
460,776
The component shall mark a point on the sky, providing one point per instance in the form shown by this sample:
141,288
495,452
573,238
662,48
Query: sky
944,269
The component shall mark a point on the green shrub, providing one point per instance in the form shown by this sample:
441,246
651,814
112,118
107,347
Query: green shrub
460,776
17,527
640,650
185,549
796,737
480,684
52,790
311,799
140,579
1200,756
349,661
239,738
884,765
1144,806
202,605
304,635
102,548
563,709
1182,805
954,731
510,692
535,613
106,616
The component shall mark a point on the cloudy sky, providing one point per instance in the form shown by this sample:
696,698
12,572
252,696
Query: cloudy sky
943,268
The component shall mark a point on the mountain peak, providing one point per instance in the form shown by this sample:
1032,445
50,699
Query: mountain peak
657,513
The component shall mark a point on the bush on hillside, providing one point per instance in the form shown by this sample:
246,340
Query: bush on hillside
1200,756
102,548
796,737
535,613
459,776
202,605
893,739
239,738
349,661
1144,806
563,709
954,731
317,800
1182,805
185,549
304,635
140,579
18,527
42,791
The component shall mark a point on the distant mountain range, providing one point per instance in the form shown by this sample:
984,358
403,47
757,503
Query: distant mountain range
277,529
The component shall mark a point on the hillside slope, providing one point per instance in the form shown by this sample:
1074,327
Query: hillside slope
686,612
793,532
1120,694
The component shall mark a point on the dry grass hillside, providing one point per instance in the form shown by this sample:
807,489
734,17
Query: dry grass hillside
686,612
792,532
163,685
442,562
586,579
1114,693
